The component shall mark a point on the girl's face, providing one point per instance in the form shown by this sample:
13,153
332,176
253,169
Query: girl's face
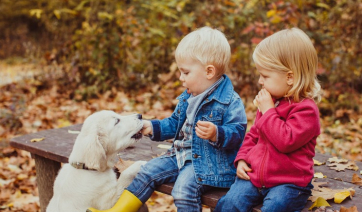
193,76
276,83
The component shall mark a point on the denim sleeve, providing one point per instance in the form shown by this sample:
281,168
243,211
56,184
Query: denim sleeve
231,133
166,128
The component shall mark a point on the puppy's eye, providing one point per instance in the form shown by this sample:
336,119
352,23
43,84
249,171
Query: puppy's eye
117,121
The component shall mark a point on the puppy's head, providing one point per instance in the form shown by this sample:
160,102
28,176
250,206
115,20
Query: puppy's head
103,135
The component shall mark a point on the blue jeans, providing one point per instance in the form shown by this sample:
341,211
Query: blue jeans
243,196
186,191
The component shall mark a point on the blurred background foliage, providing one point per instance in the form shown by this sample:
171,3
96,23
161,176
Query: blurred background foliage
130,43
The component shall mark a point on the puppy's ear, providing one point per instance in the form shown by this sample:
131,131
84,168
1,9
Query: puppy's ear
96,157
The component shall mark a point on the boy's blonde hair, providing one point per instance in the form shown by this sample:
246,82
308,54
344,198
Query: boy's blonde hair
291,50
207,45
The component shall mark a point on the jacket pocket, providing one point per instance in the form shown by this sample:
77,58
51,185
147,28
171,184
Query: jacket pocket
214,116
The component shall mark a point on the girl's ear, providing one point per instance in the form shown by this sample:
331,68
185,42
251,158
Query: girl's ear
210,71
290,78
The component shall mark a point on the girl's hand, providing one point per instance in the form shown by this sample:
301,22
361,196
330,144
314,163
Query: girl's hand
242,169
264,100
147,128
206,130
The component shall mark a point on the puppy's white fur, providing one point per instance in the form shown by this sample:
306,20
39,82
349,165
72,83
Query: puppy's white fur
103,135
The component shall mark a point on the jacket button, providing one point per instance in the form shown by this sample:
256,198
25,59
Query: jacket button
195,156
210,115
178,111
184,100
199,179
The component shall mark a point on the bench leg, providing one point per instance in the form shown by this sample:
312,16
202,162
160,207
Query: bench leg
46,172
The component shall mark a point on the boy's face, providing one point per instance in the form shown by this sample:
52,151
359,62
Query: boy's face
276,83
193,76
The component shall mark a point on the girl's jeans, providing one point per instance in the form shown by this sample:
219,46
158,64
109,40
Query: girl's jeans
186,191
243,196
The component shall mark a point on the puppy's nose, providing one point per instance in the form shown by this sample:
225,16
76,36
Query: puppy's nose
139,116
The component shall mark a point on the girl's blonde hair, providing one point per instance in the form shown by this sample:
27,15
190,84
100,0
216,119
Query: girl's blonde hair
207,45
291,50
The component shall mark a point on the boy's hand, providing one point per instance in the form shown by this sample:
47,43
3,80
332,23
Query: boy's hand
242,169
206,130
264,101
147,128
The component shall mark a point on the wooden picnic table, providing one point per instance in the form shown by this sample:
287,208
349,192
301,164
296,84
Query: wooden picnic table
58,143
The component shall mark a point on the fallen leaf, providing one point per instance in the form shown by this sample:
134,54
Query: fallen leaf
341,167
73,131
318,163
337,160
356,180
36,139
319,175
351,209
324,192
319,202
340,196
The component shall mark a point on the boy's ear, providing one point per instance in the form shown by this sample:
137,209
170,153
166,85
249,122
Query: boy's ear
210,71
290,78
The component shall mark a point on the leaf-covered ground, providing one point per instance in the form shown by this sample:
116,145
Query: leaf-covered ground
30,106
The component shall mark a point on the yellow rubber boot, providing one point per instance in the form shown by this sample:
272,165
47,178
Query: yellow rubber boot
127,202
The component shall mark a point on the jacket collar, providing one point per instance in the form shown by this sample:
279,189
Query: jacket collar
222,94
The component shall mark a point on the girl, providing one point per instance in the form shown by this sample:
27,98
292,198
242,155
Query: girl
275,162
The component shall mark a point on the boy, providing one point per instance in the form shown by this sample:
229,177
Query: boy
208,126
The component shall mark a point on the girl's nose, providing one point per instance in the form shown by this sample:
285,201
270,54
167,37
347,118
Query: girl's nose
260,81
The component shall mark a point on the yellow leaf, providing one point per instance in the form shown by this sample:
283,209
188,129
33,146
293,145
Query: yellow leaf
323,5
340,196
22,177
105,15
271,13
57,13
319,175
66,10
319,202
317,163
63,123
36,12
36,139
276,19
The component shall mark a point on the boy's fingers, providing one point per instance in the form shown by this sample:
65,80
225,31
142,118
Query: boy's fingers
199,132
201,128
203,123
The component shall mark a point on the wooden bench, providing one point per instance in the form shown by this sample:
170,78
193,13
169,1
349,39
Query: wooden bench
58,143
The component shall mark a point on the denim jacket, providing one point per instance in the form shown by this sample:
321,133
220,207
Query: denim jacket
212,161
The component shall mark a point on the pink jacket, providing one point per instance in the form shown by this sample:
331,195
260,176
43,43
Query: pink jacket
280,145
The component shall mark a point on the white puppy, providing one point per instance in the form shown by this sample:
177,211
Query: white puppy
88,179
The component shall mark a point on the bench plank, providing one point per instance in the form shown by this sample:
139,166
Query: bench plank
58,143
